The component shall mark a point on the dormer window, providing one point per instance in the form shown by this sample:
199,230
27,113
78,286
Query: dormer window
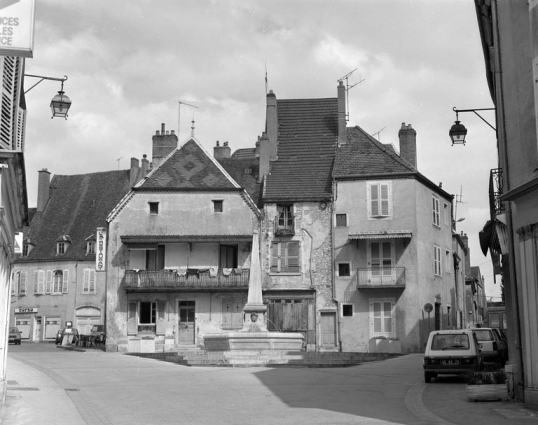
60,248
62,244
90,247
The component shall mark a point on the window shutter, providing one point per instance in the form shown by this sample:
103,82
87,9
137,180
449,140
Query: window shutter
85,281
65,281
293,256
161,322
92,286
13,283
275,258
36,284
48,286
41,282
384,199
23,279
374,199
132,326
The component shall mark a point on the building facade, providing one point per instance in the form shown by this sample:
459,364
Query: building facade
393,256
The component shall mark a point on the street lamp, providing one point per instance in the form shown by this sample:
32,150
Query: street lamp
458,131
60,103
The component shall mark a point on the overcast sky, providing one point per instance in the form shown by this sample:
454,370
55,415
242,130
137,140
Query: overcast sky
129,63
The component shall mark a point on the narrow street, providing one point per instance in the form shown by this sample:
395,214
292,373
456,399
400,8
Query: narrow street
47,385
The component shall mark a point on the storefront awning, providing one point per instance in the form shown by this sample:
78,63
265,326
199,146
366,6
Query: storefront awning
386,234
151,241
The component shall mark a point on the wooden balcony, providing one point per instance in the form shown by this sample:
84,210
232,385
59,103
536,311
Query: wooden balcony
380,277
193,279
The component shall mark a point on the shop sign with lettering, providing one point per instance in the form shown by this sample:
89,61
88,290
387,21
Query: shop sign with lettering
17,27
23,310
100,250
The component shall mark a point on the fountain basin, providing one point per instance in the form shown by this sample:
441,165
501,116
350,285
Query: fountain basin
254,341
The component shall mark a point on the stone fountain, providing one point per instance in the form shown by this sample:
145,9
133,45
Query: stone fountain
254,336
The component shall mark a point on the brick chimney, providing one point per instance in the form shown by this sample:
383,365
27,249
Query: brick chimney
408,144
43,189
264,156
135,169
271,124
163,143
465,240
342,136
221,152
144,168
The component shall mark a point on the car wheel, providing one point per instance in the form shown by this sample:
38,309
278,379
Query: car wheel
427,377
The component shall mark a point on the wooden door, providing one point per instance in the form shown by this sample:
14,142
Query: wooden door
186,322
328,329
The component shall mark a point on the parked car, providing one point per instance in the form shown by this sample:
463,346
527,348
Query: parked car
450,352
503,343
98,334
65,331
14,336
493,348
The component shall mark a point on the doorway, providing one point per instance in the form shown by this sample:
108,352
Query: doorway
328,330
186,322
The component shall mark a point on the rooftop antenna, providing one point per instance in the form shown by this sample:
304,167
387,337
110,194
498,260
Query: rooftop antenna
119,159
266,78
179,114
348,88
458,201
378,133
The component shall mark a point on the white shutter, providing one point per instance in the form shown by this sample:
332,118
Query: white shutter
23,276
65,281
48,286
92,287
86,281
384,199
41,282
36,284
374,200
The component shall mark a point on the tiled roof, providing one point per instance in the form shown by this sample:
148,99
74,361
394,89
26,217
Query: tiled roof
188,167
77,206
245,173
244,153
307,140
364,155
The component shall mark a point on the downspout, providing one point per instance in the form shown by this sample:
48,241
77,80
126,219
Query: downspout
333,259
504,166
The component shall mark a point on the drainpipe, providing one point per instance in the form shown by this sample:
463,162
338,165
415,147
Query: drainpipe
338,331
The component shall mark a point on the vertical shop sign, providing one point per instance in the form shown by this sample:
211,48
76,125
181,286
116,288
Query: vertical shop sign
100,253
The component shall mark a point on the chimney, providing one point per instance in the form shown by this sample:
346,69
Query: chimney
135,169
408,144
465,240
264,157
144,168
43,189
221,152
342,136
257,154
271,124
163,143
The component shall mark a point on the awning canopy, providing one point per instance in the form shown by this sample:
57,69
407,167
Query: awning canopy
151,241
385,234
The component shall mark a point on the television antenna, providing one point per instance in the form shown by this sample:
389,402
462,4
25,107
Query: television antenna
118,160
179,114
459,201
348,88
379,133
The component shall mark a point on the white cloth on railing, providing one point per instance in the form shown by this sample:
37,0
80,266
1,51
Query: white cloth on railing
213,271
182,272
226,272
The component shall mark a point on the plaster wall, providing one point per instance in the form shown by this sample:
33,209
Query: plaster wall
411,212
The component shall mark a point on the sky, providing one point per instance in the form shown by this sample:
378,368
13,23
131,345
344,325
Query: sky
130,63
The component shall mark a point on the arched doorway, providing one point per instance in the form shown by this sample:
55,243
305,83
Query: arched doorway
86,317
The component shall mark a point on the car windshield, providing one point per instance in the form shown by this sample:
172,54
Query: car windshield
450,341
484,335
13,329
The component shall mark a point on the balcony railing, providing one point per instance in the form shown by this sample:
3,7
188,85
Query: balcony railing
381,277
192,278
495,191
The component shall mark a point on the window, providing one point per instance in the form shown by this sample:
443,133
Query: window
436,260
148,312
57,281
60,248
88,283
285,257
344,269
217,206
20,283
155,258
341,220
379,199
90,247
285,215
382,321
347,310
153,208
39,281
380,257
25,250
436,218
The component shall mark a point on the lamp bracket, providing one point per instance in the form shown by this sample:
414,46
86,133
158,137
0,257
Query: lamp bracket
476,113
41,77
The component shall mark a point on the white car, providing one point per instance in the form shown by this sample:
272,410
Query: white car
451,352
